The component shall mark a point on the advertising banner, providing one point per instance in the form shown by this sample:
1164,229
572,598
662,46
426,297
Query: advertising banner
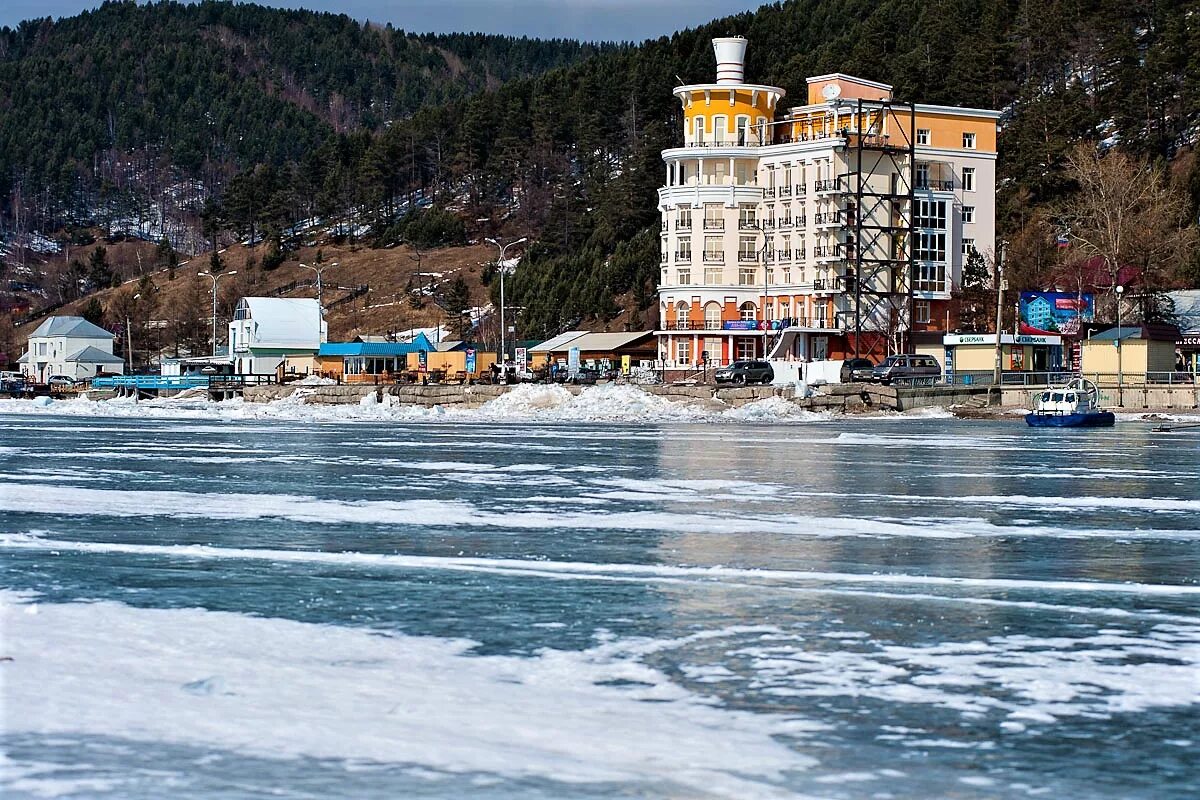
740,325
1056,312
573,361
626,362
470,367
522,359
422,361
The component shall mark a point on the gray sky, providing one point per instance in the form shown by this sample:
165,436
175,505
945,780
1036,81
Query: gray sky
577,19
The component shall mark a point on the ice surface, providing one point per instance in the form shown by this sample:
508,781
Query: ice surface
222,680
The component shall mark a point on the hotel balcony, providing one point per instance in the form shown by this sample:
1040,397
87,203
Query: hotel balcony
748,225
829,186
833,219
714,258
748,258
714,224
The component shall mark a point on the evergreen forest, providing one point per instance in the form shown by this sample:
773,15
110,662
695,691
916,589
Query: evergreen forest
242,121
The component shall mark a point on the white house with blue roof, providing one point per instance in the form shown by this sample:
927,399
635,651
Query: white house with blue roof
70,346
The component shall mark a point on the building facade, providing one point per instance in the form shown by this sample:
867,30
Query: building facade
827,230
266,330
70,346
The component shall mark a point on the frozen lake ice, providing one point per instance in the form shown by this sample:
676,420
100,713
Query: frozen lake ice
226,605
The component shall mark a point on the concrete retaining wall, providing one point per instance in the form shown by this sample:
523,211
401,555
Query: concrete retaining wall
1135,398
832,397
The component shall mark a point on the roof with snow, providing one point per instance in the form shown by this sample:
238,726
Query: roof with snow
610,342
76,327
282,320
559,342
1187,310
93,355
1158,333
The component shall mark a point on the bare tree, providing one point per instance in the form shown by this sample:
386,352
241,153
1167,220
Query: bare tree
1125,213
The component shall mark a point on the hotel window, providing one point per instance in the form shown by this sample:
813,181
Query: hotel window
787,277
712,316
968,179
968,214
968,247
699,122
685,277
720,128
713,276
683,249
969,140
712,346
922,176
714,219
683,351
921,311
747,216
747,276
931,214
747,248
713,249
923,136
931,246
748,312
681,313
745,348
743,125
683,219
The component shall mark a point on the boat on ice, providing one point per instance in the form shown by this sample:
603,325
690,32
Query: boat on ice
1072,406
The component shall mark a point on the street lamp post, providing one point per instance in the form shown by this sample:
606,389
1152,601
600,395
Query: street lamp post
500,265
129,337
317,271
215,277
1120,290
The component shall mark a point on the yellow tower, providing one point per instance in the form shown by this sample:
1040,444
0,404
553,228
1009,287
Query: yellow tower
730,111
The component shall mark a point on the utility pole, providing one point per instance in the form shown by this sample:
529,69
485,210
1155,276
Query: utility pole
215,277
502,268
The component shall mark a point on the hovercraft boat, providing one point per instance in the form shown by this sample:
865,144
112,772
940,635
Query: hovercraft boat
1072,406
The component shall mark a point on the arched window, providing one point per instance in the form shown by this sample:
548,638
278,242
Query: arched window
712,316
748,311
681,313
720,128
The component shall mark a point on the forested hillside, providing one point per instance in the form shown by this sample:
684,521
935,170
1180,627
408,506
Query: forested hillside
571,156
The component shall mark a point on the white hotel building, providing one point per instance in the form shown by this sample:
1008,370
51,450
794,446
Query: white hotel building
821,231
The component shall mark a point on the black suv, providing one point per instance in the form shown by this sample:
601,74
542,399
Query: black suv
857,369
745,372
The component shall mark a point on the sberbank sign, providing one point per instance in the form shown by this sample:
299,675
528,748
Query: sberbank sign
990,338
975,339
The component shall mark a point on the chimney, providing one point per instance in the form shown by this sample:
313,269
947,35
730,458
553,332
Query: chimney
731,59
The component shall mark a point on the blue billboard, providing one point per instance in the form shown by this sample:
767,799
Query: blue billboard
1056,312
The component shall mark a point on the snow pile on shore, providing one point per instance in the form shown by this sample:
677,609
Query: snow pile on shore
528,402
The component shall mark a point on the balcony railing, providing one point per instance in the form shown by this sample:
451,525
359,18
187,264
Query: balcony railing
832,218
801,190
785,222
683,226
927,185
747,225
714,224
663,258
769,191
829,185
747,257
801,222
785,191
684,258
663,227
768,224
714,258
826,252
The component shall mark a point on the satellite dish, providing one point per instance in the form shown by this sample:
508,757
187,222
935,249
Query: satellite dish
831,91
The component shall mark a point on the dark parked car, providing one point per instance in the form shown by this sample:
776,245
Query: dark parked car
745,372
908,366
857,369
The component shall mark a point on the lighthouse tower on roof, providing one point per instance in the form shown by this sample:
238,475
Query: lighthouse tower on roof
729,111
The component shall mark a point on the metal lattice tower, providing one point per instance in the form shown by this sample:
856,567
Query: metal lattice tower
880,262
